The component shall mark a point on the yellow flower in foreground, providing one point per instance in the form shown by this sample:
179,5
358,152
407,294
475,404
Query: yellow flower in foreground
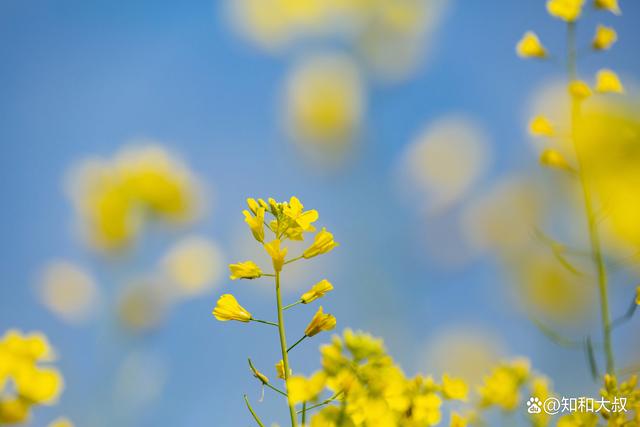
530,46
457,420
228,308
553,159
604,38
454,388
322,244
567,10
277,255
61,422
320,322
245,270
607,81
255,223
13,411
579,89
301,389
301,219
317,291
610,5
541,126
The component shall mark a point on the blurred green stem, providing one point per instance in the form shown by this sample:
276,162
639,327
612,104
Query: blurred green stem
596,250
283,347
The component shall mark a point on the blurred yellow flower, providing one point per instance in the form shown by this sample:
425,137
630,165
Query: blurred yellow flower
228,308
553,159
143,303
320,322
579,89
277,255
322,243
608,81
14,410
61,422
610,5
454,388
318,290
638,295
541,126
457,420
245,270
501,388
567,10
530,46
193,264
301,389
68,291
604,38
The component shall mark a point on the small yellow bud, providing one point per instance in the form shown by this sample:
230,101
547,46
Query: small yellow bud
529,46
277,255
245,270
553,159
541,126
255,223
320,322
604,38
579,89
607,81
228,308
317,291
323,243
610,5
257,374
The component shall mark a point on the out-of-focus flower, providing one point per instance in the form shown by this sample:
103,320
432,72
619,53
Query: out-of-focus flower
541,126
567,10
322,243
115,197
140,379
608,81
318,290
320,322
579,89
228,308
610,5
604,38
61,422
276,253
143,303
638,295
502,387
31,383
245,270
193,265
325,100
444,162
68,291
553,159
454,388
530,46
457,420
301,389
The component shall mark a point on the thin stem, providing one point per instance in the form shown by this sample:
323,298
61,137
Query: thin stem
255,416
276,389
266,322
293,260
324,402
304,413
296,343
594,238
293,304
283,347
626,316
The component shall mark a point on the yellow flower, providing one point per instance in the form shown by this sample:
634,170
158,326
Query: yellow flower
39,385
259,375
638,295
567,10
280,369
322,244
457,420
607,81
610,5
454,388
301,389
277,255
320,322
61,422
579,89
553,159
255,223
541,126
228,308
300,218
604,38
13,410
317,291
245,270
529,46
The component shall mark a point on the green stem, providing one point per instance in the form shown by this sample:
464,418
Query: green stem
276,389
323,403
296,343
283,347
304,413
293,259
293,304
255,416
264,321
594,238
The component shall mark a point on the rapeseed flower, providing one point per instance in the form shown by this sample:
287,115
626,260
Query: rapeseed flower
604,38
610,5
608,81
553,159
277,255
318,290
567,10
530,46
541,126
228,308
301,389
454,388
579,89
245,270
320,322
61,422
322,243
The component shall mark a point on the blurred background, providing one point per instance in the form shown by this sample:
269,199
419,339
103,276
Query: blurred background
403,122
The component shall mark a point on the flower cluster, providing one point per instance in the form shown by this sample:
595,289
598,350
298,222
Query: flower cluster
24,381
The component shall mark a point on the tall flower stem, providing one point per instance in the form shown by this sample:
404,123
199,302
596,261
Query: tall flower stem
592,224
283,347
